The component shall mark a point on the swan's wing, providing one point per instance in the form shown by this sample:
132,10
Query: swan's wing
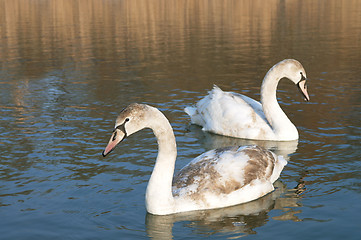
245,173
255,105
230,114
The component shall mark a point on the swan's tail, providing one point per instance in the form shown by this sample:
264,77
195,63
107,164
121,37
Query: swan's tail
191,111
195,117
199,112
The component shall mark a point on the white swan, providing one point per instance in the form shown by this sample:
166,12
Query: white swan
215,179
236,115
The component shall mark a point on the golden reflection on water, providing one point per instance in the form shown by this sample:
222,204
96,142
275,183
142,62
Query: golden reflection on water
82,30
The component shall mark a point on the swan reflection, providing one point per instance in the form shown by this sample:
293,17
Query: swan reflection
242,219
213,141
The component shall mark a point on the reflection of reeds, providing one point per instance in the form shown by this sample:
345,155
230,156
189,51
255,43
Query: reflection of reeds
75,27
47,33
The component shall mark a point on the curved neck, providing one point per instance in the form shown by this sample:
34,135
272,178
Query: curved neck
159,198
277,119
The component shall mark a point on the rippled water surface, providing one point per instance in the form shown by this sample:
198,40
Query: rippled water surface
67,68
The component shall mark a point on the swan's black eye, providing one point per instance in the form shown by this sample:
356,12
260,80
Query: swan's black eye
126,120
302,77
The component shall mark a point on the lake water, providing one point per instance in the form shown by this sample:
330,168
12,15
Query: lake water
67,68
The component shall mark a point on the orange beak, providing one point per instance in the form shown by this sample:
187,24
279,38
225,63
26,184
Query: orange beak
116,138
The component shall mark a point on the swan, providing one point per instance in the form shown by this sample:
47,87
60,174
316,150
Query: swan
236,115
217,178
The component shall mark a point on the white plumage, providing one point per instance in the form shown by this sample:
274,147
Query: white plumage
218,178
236,115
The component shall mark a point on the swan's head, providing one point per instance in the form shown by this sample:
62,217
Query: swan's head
293,70
130,120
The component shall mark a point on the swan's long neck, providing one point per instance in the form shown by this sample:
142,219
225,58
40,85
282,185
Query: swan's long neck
278,120
159,198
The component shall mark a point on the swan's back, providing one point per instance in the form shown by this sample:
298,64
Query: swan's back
227,176
231,114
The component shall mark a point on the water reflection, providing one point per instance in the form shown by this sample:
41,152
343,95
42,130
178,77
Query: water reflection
238,220
212,141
